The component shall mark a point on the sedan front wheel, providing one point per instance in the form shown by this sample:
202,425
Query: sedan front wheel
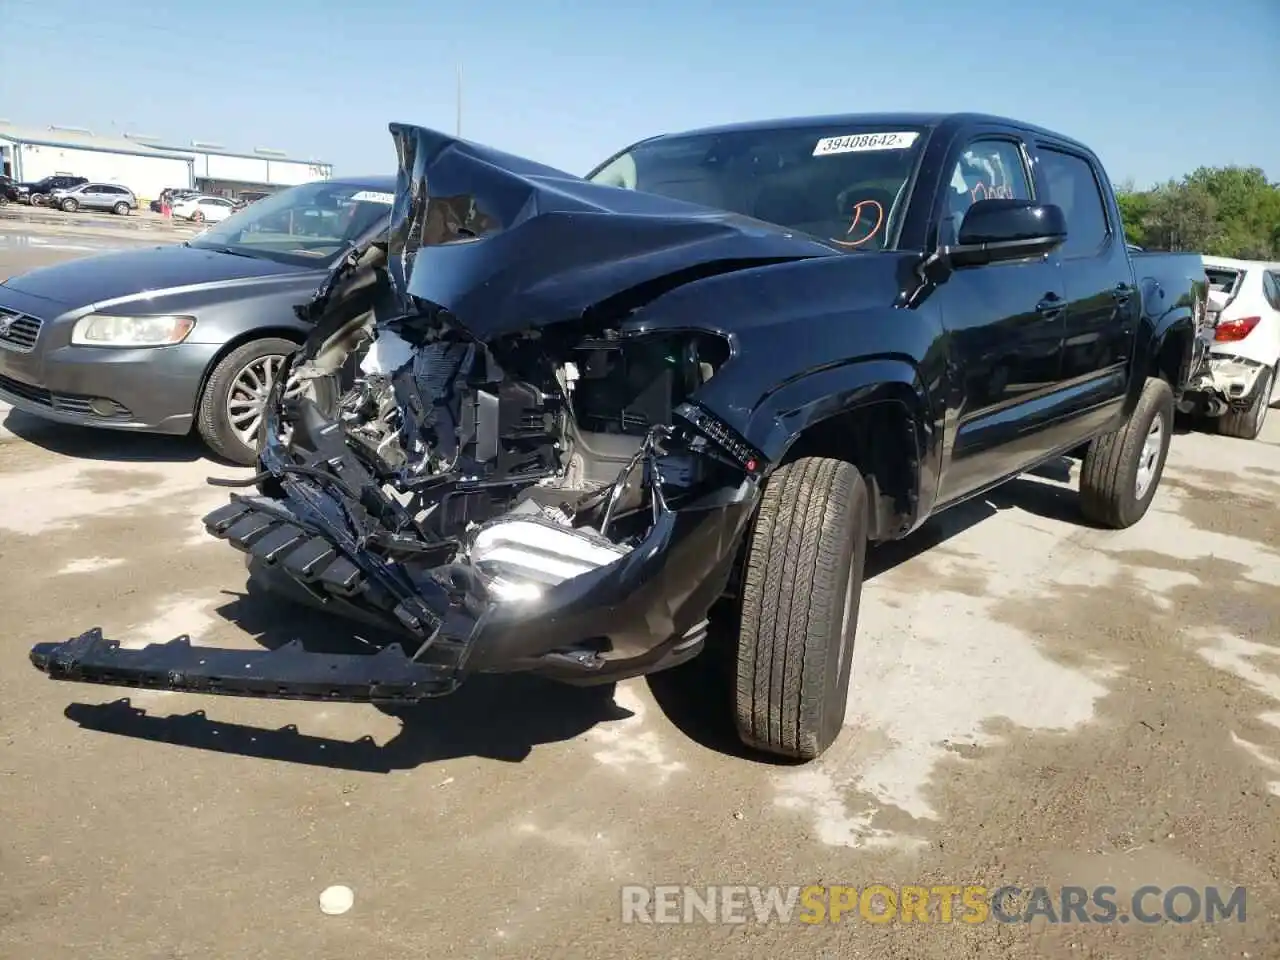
234,400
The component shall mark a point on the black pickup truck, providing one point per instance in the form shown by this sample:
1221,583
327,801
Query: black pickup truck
591,414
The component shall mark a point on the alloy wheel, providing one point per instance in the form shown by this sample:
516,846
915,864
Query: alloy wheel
1149,459
247,397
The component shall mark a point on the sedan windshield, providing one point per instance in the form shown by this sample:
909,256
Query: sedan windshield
308,225
840,184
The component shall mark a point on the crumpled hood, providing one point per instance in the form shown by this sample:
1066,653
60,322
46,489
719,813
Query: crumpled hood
148,273
507,244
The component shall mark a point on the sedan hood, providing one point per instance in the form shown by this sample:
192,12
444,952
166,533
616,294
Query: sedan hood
150,272
506,244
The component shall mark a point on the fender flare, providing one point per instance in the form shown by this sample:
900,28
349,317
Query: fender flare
1175,329
782,417
1183,333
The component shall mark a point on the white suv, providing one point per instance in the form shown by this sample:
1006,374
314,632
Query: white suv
1244,306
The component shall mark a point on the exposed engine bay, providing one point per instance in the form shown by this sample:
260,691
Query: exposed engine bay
520,465
459,481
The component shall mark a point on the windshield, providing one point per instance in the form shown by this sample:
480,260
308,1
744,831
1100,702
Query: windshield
840,184
307,225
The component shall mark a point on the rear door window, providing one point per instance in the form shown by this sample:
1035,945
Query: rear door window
1271,288
1070,183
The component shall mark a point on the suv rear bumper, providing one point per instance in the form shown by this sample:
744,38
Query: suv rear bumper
1228,381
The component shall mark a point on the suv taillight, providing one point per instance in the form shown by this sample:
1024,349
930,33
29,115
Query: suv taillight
1231,331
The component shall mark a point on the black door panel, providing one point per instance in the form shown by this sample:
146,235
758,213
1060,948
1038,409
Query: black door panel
1006,326
1005,323
1101,314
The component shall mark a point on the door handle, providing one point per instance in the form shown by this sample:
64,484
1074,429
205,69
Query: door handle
1121,294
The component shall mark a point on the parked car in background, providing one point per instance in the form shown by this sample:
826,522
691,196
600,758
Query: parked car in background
171,195
95,196
1241,383
183,335
37,193
8,189
202,208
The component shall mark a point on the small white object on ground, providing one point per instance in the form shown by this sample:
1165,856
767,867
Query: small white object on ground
337,899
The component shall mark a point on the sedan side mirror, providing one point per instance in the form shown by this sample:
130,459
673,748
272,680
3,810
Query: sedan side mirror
994,231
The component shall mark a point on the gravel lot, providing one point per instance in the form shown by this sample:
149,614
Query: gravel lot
1035,702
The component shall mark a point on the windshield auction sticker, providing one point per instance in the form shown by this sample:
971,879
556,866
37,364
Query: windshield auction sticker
373,196
863,142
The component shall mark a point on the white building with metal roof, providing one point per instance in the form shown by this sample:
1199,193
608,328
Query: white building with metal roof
146,166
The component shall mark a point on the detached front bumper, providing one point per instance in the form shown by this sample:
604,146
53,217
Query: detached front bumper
645,611
618,618
286,673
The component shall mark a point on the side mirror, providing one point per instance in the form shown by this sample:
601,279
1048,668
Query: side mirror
998,230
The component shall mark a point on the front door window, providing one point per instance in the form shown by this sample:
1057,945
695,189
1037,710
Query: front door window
986,170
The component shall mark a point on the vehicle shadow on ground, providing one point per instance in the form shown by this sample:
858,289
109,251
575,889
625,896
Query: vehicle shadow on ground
118,446
495,717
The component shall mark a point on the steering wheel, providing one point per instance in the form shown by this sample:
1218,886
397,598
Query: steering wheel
867,212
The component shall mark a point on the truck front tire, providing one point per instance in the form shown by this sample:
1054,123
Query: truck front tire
1122,470
802,582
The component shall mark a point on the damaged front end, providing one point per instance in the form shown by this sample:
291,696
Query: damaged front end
521,477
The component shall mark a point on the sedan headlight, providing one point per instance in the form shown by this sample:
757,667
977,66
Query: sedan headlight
105,330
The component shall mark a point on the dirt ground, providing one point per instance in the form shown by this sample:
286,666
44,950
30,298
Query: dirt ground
1035,702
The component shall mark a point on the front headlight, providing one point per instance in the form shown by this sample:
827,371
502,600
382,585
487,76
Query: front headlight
104,330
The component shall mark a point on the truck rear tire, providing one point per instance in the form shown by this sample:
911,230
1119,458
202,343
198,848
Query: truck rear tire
1247,424
802,582
1122,470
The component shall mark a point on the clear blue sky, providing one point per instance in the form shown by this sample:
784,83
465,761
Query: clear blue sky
1158,87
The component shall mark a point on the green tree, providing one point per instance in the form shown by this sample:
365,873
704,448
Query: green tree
1225,211
1135,210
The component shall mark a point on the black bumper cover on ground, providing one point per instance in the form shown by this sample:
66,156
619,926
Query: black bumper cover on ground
289,672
